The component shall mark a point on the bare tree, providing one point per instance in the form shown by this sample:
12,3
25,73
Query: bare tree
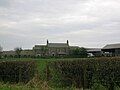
1,51
18,51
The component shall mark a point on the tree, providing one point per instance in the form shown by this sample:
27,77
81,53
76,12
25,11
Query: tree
1,51
18,51
79,52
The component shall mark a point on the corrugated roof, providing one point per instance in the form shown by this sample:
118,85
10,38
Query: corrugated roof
40,45
112,46
93,49
58,45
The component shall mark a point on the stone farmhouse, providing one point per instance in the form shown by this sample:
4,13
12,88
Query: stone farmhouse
53,49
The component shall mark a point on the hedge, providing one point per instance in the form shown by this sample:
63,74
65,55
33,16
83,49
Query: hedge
17,71
86,72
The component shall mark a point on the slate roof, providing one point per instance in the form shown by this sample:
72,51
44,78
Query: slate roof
58,45
38,46
112,46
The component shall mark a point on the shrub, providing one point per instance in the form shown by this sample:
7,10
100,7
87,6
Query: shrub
108,72
79,53
85,72
17,71
68,73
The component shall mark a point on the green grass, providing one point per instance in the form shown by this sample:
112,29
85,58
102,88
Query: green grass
15,87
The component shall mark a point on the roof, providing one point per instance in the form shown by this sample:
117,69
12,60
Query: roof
93,49
58,45
39,46
112,46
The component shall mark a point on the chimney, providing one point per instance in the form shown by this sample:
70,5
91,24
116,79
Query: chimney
67,42
47,41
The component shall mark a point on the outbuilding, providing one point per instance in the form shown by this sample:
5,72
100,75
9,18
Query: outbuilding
111,50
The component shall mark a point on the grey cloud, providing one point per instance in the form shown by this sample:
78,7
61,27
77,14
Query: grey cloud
4,3
89,23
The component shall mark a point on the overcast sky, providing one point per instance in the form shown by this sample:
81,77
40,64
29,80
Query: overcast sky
86,23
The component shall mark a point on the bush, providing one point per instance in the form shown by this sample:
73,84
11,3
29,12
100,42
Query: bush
67,73
85,72
108,72
79,53
17,71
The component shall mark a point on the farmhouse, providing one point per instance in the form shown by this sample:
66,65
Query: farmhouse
53,49
111,50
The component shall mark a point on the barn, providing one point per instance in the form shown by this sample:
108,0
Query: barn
111,50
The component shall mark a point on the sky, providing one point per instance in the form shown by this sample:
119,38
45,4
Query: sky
85,23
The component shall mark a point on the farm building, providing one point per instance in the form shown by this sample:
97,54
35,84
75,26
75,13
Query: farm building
27,53
23,53
94,52
111,50
8,53
53,49
50,49
64,49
